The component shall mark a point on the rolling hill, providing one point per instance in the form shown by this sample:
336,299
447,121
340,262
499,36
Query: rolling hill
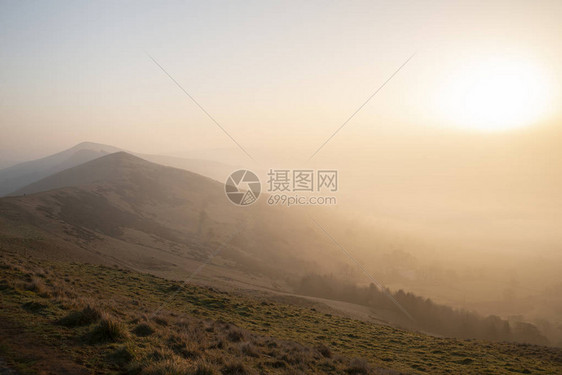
122,210
71,318
23,174
16,177
162,219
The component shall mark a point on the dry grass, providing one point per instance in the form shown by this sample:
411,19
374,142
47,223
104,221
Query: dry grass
143,330
324,350
37,285
169,366
109,329
236,368
201,334
359,366
202,367
86,316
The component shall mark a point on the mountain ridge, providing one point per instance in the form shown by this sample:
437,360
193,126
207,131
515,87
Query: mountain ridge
22,174
103,169
121,209
17,177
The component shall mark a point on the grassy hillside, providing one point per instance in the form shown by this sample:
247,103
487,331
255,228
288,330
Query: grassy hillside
120,209
59,317
147,214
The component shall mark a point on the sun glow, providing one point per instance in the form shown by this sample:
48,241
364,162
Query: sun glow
495,95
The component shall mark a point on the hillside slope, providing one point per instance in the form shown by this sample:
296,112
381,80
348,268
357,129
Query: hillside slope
164,220
58,317
17,177
122,210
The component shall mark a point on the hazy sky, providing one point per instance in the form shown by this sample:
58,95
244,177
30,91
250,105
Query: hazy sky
279,76
460,151
461,148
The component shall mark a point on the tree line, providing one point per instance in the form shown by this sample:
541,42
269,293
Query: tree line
427,315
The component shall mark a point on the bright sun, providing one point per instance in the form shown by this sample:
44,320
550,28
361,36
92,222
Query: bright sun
494,95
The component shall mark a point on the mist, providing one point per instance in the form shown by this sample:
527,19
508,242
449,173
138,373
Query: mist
161,143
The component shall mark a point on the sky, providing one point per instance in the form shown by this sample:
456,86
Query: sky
280,77
465,136
459,150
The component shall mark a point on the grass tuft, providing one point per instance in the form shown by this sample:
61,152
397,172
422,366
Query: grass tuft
235,335
205,368
235,368
223,343
324,350
84,317
358,366
122,356
250,350
143,330
168,366
109,329
38,286
34,306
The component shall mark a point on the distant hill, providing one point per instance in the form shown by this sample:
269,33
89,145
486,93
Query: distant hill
18,176
121,209
158,217
213,169
116,168
5,163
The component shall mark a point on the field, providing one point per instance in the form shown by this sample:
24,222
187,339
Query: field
70,318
